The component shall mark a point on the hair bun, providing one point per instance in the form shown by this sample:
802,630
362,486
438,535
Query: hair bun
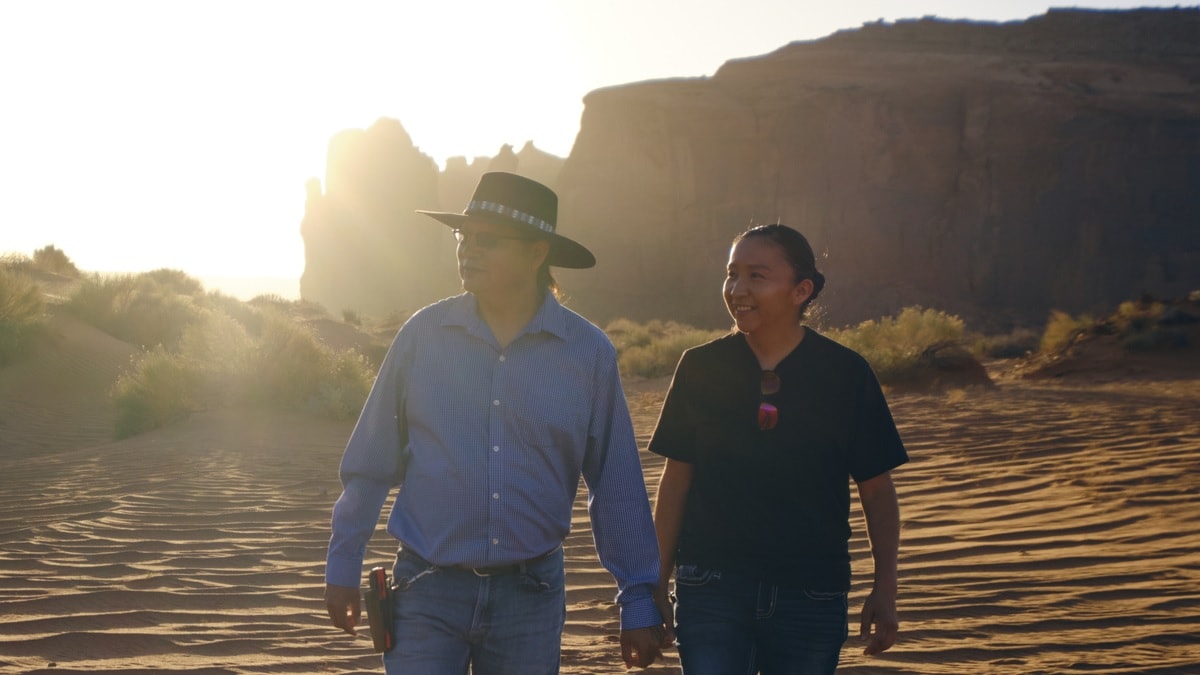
818,280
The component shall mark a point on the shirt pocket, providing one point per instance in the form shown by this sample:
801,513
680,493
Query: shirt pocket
547,419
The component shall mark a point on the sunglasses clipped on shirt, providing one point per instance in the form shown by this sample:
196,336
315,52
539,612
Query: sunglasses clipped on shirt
485,240
768,414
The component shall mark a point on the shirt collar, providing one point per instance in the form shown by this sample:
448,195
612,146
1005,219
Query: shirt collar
548,319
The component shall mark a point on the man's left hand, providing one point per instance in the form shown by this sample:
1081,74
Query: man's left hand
640,647
879,610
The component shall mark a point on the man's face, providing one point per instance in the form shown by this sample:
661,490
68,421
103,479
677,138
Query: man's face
498,258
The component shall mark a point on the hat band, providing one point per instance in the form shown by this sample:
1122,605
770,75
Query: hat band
521,216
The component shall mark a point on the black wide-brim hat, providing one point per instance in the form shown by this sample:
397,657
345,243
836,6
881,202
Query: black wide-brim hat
510,199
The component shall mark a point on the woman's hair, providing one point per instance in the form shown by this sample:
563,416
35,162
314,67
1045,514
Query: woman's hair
796,250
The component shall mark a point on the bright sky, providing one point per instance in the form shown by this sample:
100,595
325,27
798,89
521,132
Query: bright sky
140,135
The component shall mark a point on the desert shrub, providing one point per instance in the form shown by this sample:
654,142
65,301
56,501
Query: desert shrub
342,393
1062,330
1132,317
287,362
248,315
149,317
1016,344
173,280
19,297
1136,325
351,317
291,368
15,262
218,361
220,347
626,334
51,259
893,345
146,309
305,309
1140,326
161,388
653,349
22,321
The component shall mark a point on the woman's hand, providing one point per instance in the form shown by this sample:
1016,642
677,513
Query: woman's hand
879,610
667,609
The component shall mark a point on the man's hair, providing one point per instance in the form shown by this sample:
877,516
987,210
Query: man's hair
546,281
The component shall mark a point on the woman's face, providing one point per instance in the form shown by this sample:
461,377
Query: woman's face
761,290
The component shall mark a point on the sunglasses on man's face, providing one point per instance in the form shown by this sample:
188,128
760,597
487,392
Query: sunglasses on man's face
485,240
768,414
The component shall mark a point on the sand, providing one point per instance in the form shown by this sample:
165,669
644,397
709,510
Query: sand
1050,526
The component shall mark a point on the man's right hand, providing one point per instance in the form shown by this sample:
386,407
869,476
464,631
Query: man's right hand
344,605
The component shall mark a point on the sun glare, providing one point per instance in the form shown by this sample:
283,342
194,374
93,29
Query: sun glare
143,134
181,135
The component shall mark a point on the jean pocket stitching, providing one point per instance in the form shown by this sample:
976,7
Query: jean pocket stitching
533,583
694,575
823,595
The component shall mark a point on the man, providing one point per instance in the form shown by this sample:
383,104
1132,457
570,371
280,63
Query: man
486,411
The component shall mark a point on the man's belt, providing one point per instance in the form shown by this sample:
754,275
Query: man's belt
505,570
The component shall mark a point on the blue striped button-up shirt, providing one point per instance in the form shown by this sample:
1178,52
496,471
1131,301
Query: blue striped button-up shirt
487,445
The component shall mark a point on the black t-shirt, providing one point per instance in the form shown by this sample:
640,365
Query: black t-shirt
775,503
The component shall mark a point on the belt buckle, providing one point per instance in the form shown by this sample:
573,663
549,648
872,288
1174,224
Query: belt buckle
495,570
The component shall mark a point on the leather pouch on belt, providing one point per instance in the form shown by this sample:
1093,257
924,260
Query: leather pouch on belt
378,598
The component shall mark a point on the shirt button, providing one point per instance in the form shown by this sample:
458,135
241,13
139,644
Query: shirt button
501,357
495,495
495,448
495,541
496,402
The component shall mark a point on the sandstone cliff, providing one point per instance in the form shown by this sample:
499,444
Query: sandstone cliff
458,180
365,247
993,170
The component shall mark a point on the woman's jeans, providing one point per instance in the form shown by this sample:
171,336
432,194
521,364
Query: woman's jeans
732,624
447,618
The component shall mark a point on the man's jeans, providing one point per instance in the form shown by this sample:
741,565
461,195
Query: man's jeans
447,618
730,624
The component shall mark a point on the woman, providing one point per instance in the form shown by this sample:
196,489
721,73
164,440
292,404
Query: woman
762,430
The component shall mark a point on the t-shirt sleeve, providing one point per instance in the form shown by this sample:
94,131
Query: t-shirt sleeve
675,434
875,445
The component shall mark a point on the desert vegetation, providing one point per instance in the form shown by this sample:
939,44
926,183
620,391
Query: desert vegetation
201,349
894,346
652,349
902,348
1146,324
22,318
205,349
55,261
25,283
1018,342
271,362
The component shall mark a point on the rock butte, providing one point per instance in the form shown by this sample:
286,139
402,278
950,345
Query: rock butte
996,171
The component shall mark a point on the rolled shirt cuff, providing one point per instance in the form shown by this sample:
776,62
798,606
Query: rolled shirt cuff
640,613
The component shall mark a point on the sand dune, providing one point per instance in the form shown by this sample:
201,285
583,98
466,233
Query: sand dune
1049,527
